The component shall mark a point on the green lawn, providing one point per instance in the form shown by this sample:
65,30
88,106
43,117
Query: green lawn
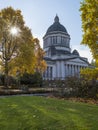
41,113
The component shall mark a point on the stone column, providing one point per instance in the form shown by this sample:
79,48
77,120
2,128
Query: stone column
54,71
66,71
75,70
62,70
60,73
69,70
78,69
72,67
57,69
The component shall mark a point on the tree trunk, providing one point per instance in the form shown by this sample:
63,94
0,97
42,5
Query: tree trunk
6,80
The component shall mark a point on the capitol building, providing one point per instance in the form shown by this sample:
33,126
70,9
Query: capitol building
61,62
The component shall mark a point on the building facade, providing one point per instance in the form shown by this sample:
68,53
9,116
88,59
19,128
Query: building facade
61,62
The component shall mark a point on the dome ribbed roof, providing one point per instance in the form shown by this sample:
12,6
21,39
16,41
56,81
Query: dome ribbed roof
56,26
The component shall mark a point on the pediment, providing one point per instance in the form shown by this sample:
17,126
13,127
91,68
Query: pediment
78,60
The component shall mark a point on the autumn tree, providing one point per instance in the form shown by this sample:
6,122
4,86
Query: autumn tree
41,65
90,74
89,16
16,44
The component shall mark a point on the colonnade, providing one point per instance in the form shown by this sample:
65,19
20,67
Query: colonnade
73,70
62,71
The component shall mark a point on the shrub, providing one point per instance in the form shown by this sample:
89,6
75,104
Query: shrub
1,79
77,87
12,80
34,80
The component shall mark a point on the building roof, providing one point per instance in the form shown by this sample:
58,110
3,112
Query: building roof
66,59
56,26
75,52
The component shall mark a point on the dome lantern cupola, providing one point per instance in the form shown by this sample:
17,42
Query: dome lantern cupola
58,37
56,19
56,27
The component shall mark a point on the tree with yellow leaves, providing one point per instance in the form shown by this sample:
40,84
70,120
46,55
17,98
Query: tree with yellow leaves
39,54
16,44
89,16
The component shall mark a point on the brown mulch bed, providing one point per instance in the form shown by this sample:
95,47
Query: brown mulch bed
77,99
84,100
32,91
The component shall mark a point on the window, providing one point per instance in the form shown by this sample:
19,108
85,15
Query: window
63,40
47,72
54,39
51,72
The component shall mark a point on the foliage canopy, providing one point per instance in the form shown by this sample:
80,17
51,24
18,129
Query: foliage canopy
89,16
17,50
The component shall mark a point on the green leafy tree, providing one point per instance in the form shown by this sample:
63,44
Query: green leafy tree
16,44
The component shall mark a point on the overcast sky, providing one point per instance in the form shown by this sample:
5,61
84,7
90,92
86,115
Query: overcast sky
39,15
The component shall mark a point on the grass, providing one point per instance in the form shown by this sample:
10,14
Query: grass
41,113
